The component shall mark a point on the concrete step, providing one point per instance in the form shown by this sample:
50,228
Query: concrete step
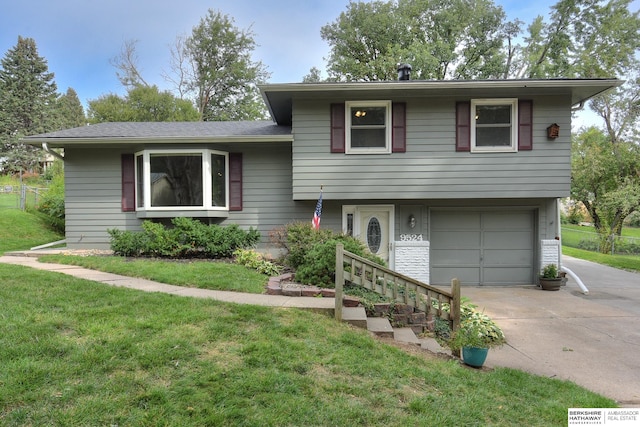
356,316
380,326
405,335
432,345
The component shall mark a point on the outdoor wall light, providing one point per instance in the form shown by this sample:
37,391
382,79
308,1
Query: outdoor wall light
412,221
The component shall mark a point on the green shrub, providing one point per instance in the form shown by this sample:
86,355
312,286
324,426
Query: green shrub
319,263
52,202
186,238
297,239
255,261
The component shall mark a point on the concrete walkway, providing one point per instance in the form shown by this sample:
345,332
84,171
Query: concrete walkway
592,340
319,304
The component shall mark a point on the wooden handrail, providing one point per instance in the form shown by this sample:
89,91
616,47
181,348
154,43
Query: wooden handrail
426,298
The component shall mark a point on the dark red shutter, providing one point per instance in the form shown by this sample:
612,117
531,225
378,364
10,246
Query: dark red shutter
337,128
463,126
525,125
399,123
235,181
128,183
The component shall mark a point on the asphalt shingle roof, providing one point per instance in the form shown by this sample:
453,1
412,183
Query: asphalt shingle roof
170,129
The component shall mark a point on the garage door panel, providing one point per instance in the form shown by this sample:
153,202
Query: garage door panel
456,257
467,276
506,275
506,220
456,220
457,239
507,239
507,257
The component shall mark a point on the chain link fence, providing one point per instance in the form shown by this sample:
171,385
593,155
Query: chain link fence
20,196
592,241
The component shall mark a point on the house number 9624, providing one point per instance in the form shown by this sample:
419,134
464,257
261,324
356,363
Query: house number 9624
411,237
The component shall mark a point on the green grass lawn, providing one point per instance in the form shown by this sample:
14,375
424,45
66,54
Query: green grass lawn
22,230
76,353
80,353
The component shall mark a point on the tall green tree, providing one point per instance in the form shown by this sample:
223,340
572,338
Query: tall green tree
439,38
472,39
214,67
605,177
142,104
70,110
27,103
582,38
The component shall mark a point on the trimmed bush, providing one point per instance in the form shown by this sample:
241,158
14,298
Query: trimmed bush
313,252
186,238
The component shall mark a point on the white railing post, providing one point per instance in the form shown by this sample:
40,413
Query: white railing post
339,280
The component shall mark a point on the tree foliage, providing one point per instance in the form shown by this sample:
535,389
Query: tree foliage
213,66
605,177
472,39
70,111
27,103
141,104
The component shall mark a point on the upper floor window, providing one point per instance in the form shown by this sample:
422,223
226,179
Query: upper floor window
494,125
368,127
185,179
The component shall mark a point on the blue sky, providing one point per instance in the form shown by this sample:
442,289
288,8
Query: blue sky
79,37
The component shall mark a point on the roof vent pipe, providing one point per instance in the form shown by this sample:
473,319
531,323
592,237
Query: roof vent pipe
404,72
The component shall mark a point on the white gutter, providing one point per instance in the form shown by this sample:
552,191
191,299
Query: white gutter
46,148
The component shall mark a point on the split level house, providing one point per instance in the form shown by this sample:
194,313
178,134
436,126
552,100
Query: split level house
448,178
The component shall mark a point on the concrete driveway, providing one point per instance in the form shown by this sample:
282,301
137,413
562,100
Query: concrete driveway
592,340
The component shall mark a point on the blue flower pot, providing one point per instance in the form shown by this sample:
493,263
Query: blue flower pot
474,356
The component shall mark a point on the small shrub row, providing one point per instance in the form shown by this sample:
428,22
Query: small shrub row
255,261
312,253
186,238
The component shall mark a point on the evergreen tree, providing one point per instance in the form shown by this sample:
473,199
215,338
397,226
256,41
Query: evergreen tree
27,103
70,111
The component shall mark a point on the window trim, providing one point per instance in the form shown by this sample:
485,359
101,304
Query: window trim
207,184
388,127
513,103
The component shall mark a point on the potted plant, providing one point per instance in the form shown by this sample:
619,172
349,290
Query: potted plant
476,335
550,280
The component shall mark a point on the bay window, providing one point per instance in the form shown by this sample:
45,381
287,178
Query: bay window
191,179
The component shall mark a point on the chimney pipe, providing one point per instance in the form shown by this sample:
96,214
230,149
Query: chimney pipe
404,72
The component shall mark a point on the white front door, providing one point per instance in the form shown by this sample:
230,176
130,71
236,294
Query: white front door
373,226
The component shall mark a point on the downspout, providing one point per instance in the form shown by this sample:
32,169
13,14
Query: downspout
46,148
573,275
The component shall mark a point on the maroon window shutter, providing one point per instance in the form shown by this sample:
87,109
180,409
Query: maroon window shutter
463,126
235,181
337,128
399,123
525,125
128,183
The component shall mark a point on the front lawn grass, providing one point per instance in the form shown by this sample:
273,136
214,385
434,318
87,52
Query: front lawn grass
76,352
205,274
624,262
23,230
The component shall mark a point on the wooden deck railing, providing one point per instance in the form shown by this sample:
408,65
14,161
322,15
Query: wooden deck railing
428,299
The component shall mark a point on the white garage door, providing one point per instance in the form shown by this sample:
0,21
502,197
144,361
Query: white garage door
482,248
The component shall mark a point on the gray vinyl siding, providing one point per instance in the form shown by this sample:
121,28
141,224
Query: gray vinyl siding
431,168
93,195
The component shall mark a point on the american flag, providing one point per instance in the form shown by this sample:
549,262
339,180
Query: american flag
317,214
